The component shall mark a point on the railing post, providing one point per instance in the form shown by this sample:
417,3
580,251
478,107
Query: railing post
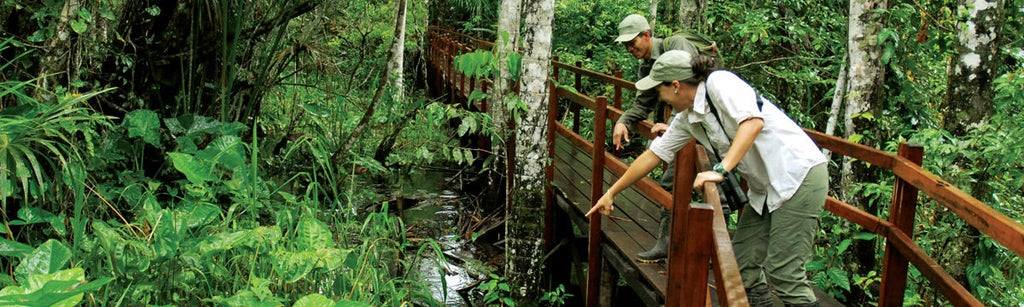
690,242
549,169
618,91
901,214
596,190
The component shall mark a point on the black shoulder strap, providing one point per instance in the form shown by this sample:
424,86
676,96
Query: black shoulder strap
714,111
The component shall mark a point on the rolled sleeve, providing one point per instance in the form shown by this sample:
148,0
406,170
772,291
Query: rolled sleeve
677,136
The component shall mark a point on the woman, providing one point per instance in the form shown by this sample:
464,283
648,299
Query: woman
785,172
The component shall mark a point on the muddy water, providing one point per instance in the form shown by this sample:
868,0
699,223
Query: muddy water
434,208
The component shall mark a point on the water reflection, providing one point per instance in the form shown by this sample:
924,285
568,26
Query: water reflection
433,209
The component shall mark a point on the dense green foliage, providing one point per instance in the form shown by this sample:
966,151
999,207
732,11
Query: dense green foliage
228,188
199,153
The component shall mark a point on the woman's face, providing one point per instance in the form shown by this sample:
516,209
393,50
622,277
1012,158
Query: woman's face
679,95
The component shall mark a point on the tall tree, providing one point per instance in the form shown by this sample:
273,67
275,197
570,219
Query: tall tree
969,97
504,86
397,63
969,103
863,92
396,55
691,14
654,13
523,251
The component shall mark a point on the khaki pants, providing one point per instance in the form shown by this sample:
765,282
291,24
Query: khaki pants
775,247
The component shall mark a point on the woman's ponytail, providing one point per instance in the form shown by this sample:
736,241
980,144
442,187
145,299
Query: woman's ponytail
703,66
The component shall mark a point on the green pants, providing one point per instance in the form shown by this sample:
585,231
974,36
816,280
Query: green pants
776,246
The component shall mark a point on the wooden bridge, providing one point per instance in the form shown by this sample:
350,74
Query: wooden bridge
701,269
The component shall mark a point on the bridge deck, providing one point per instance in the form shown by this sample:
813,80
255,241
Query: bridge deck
632,228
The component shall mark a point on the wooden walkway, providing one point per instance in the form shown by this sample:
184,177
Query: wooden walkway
701,269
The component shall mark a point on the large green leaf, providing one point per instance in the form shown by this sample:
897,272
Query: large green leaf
33,215
14,249
839,278
199,214
223,241
145,124
61,288
227,150
291,267
348,303
168,234
312,234
244,298
50,257
313,300
197,171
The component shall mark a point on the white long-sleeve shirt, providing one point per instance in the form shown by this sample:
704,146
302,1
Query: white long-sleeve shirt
776,163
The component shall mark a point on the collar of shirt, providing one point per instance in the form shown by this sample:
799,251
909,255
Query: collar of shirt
700,104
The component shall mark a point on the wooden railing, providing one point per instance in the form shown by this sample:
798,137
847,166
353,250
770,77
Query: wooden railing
694,242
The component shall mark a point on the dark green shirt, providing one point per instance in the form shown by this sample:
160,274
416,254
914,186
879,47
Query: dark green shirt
647,101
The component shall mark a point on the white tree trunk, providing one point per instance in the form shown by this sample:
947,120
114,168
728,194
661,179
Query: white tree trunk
397,63
865,68
523,248
502,94
654,14
837,105
690,12
969,100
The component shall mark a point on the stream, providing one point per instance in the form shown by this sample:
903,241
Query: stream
433,207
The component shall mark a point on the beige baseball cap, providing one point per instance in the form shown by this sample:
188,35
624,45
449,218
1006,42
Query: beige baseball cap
631,26
670,66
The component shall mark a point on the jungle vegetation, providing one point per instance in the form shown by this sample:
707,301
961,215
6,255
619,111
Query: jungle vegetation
221,152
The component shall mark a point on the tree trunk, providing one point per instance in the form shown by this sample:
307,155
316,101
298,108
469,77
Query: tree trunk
865,74
504,87
397,63
364,122
691,14
523,251
968,105
654,13
55,67
969,98
837,105
866,77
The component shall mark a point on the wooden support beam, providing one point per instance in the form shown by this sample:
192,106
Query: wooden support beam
597,189
901,214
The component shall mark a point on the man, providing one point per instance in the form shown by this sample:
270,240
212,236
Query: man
635,35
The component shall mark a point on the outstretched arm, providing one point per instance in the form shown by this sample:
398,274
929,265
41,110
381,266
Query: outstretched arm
636,171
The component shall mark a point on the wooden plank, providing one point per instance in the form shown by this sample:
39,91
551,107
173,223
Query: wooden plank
630,204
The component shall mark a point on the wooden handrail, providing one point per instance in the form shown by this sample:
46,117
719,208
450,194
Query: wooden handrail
1000,227
911,179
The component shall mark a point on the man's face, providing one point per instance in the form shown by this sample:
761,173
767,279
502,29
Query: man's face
640,46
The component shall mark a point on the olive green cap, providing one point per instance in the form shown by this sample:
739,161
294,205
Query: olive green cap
630,27
670,66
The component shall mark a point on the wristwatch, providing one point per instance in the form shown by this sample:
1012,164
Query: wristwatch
718,168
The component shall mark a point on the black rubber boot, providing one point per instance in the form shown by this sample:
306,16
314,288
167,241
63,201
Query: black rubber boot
659,252
760,296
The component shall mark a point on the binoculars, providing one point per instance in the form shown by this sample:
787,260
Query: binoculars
731,193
